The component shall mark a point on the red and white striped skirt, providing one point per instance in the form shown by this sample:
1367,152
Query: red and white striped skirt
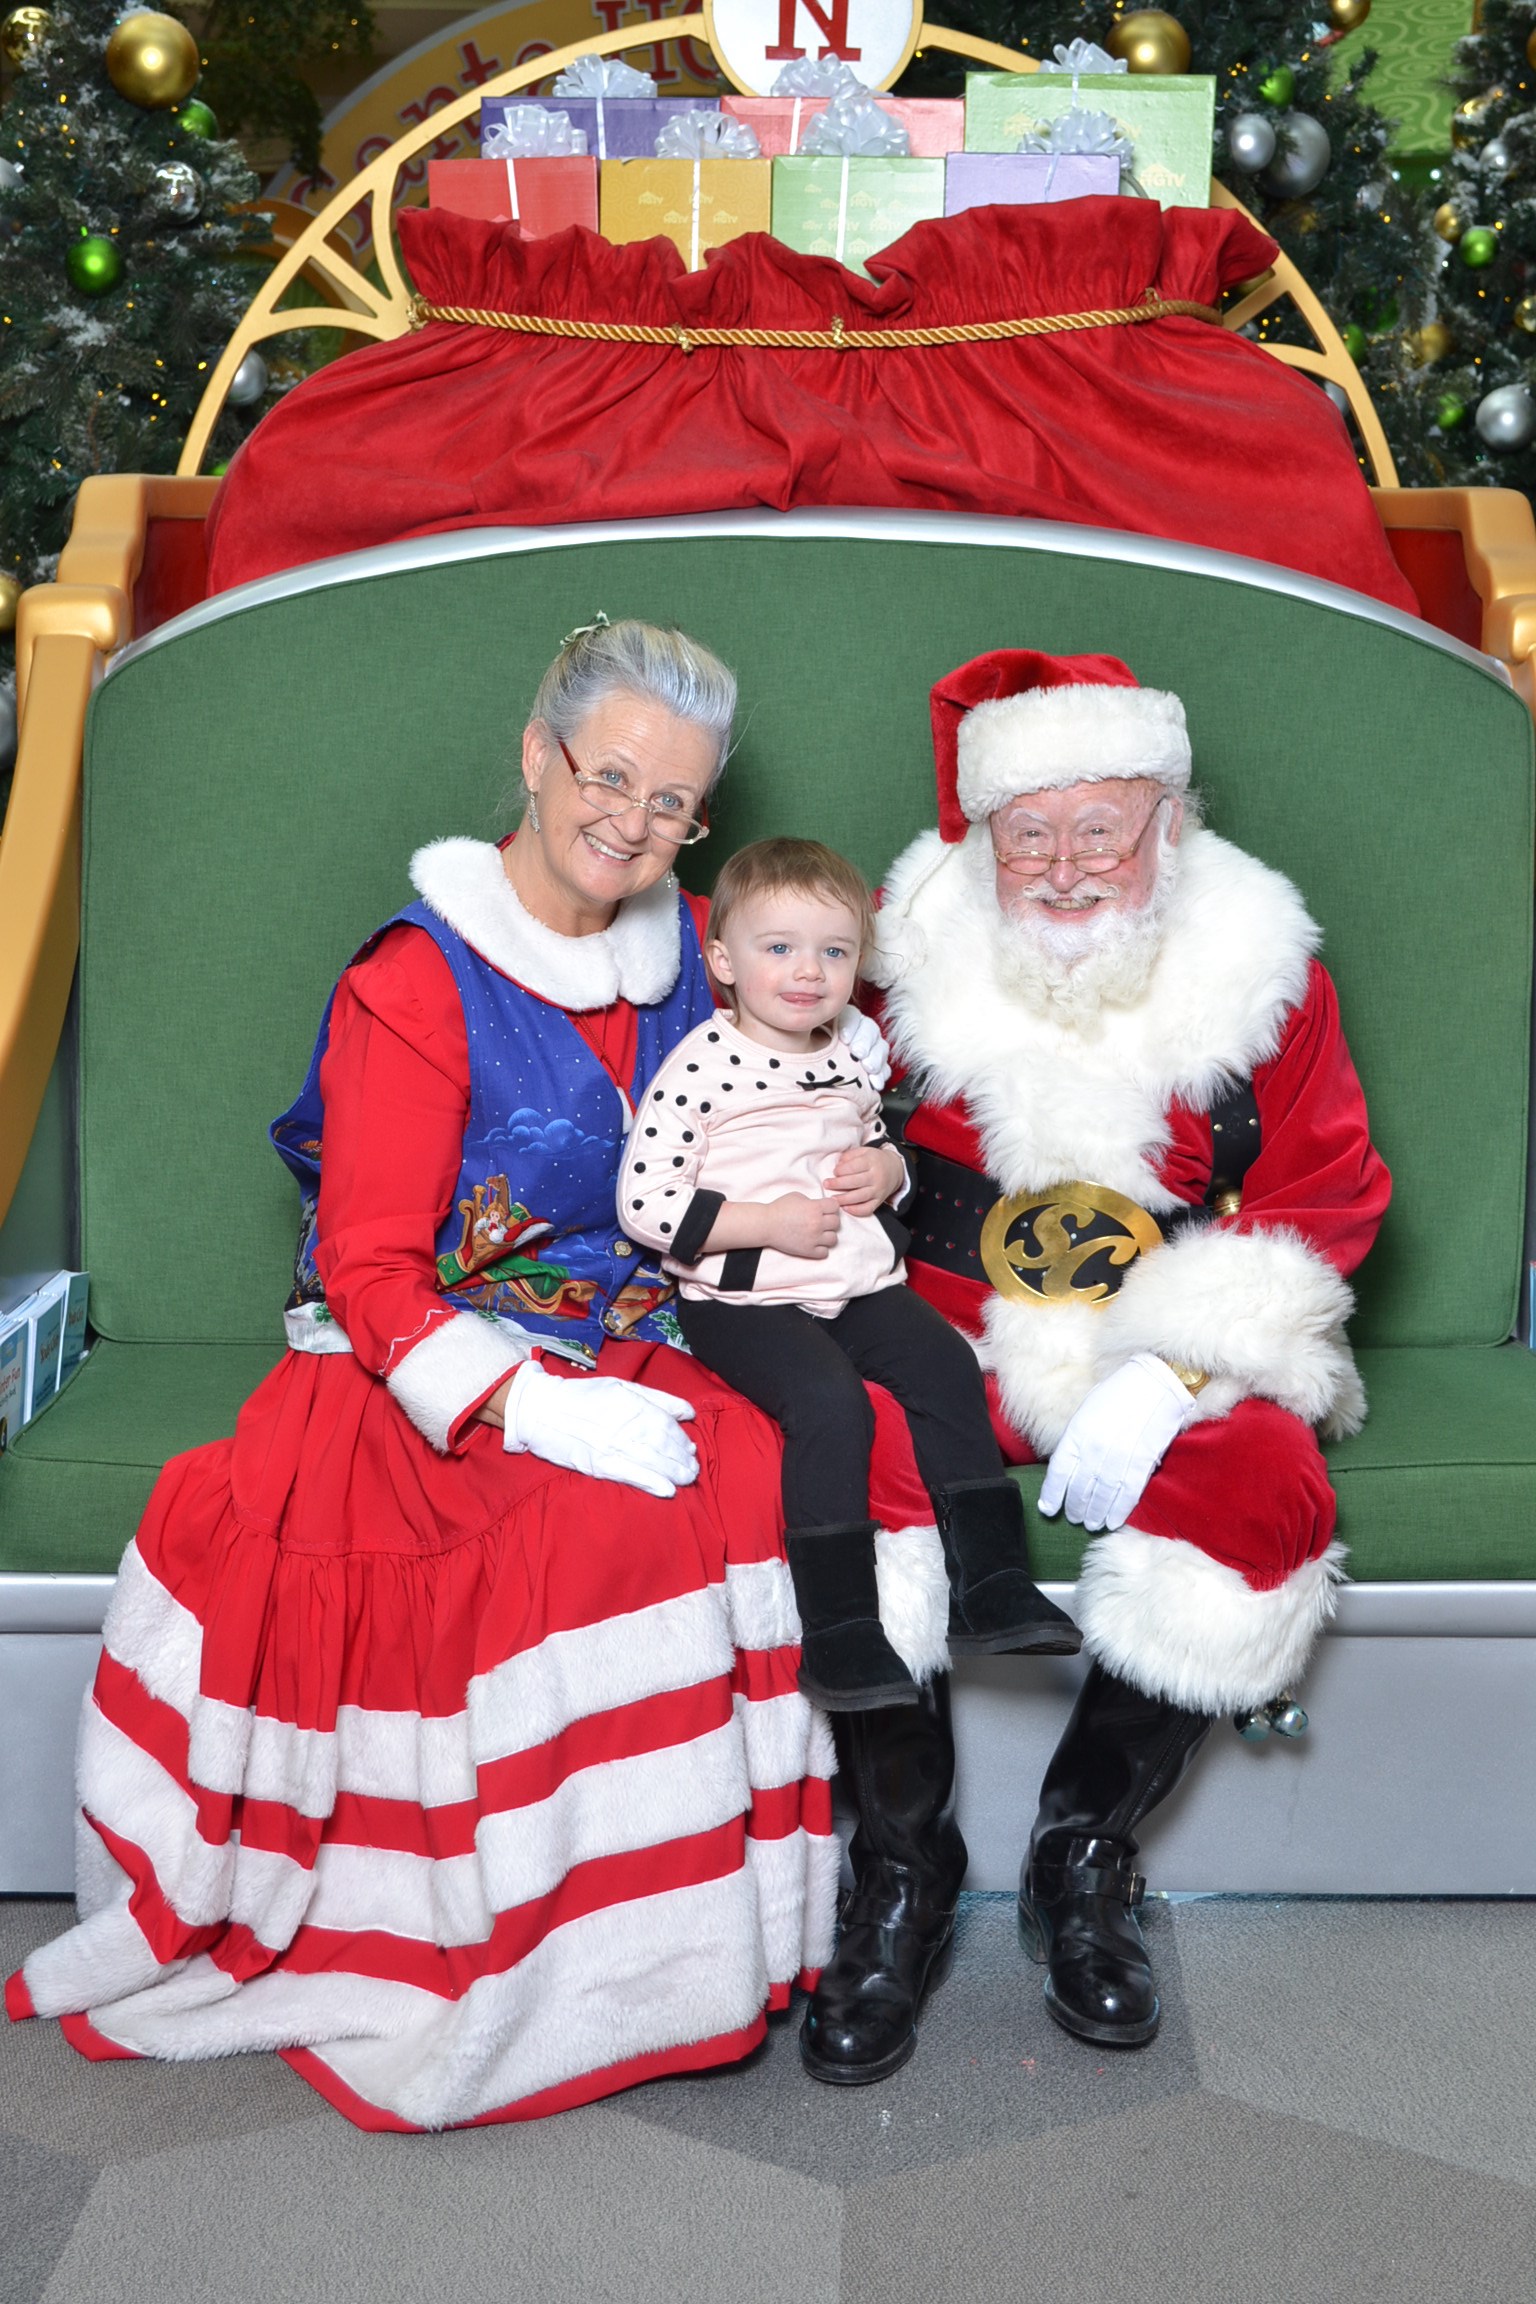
474,1788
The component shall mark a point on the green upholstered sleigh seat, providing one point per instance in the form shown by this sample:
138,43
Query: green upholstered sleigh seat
257,774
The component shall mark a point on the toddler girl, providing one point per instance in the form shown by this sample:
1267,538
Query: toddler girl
760,1167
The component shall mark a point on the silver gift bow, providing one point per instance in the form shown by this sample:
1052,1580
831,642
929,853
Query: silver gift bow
1081,132
603,76
528,132
1084,56
854,127
707,136
818,76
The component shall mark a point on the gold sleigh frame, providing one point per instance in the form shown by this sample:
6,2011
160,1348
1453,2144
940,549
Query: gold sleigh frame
356,303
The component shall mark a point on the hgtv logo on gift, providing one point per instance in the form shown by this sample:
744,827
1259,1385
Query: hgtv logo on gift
753,40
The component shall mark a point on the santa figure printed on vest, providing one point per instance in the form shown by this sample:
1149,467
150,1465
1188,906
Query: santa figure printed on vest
1145,1177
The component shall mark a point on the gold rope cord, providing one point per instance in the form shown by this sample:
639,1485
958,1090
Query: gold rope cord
837,338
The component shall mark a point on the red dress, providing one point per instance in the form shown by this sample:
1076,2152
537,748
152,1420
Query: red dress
475,1788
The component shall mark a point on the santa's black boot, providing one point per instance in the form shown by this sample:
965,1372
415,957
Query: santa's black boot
846,1662
995,1604
1122,1753
897,1921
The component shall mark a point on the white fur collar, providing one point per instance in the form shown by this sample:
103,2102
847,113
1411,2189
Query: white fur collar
1055,1098
636,959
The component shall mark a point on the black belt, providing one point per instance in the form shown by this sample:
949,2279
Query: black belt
1072,1241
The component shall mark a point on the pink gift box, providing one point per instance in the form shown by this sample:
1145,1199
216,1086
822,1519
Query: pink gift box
540,196
1025,179
935,125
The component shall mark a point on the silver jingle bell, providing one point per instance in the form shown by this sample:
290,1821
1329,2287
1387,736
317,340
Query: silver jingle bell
177,191
249,381
1506,419
1250,142
1286,1717
1253,1727
1302,165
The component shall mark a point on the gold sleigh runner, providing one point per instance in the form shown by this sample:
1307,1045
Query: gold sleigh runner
837,338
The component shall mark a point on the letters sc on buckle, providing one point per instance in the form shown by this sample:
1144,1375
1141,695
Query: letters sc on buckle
1070,1245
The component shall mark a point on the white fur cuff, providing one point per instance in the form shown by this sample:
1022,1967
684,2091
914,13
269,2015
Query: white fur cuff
914,1597
1179,1625
1261,1312
452,1370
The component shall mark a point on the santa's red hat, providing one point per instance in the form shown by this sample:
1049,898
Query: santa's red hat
1016,721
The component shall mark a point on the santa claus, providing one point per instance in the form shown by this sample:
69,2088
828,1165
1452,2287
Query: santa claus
1144,1175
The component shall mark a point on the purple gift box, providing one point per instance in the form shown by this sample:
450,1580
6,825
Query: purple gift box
1025,179
616,127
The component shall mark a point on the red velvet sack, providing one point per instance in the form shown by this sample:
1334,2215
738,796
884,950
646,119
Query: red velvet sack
1172,428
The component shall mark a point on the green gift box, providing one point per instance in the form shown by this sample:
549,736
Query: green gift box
852,208
1168,119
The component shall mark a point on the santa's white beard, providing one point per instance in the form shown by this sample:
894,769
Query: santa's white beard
1079,963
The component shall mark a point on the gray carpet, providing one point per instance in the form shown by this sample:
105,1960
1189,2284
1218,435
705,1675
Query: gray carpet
1340,2109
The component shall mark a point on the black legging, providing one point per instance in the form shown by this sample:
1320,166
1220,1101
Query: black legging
808,1375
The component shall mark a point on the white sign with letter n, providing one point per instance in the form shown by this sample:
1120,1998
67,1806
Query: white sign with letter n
753,40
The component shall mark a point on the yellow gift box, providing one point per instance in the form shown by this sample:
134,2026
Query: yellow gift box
697,204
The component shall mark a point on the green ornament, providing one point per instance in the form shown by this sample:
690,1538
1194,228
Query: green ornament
94,265
197,119
1278,86
1450,413
1354,341
1478,247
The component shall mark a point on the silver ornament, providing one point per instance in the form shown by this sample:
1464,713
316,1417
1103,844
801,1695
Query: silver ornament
249,382
1250,142
1338,396
1299,169
7,728
10,176
1253,1727
1506,419
1286,1717
1495,157
177,191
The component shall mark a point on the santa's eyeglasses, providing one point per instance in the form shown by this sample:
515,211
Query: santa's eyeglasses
1031,853
607,794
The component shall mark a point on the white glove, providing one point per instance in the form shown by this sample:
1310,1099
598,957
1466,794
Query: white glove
866,1044
601,1426
1115,1443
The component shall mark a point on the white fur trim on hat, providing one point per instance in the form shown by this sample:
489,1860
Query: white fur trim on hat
1051,737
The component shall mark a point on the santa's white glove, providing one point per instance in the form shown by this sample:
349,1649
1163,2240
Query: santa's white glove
601,1426
865,1043
1115,1443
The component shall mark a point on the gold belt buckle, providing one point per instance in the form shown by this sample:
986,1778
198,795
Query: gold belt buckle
1071,1244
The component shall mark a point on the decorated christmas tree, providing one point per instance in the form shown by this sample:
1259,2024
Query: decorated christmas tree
121,277
1473,414
1296,140
254,60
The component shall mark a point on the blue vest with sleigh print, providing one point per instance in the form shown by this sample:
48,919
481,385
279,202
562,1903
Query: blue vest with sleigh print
532,1234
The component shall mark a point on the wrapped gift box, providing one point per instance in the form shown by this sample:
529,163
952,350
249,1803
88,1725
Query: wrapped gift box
1168,120
852,208
616,127
542,196
699,204
1025,179
935,125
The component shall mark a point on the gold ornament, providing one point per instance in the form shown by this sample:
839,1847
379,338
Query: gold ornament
152,60
23,33
10,595
1430,343
1448,222
1468,118
1348,15
1530,49
1525,315
1150,40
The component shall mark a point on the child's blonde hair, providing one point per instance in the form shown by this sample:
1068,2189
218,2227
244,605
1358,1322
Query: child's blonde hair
788,868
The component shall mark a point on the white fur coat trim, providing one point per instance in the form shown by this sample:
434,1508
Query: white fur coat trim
1179,1625
913,1584
1052,737
637,958
455,1366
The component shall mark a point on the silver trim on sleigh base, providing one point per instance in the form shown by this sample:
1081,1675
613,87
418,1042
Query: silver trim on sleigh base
873,526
